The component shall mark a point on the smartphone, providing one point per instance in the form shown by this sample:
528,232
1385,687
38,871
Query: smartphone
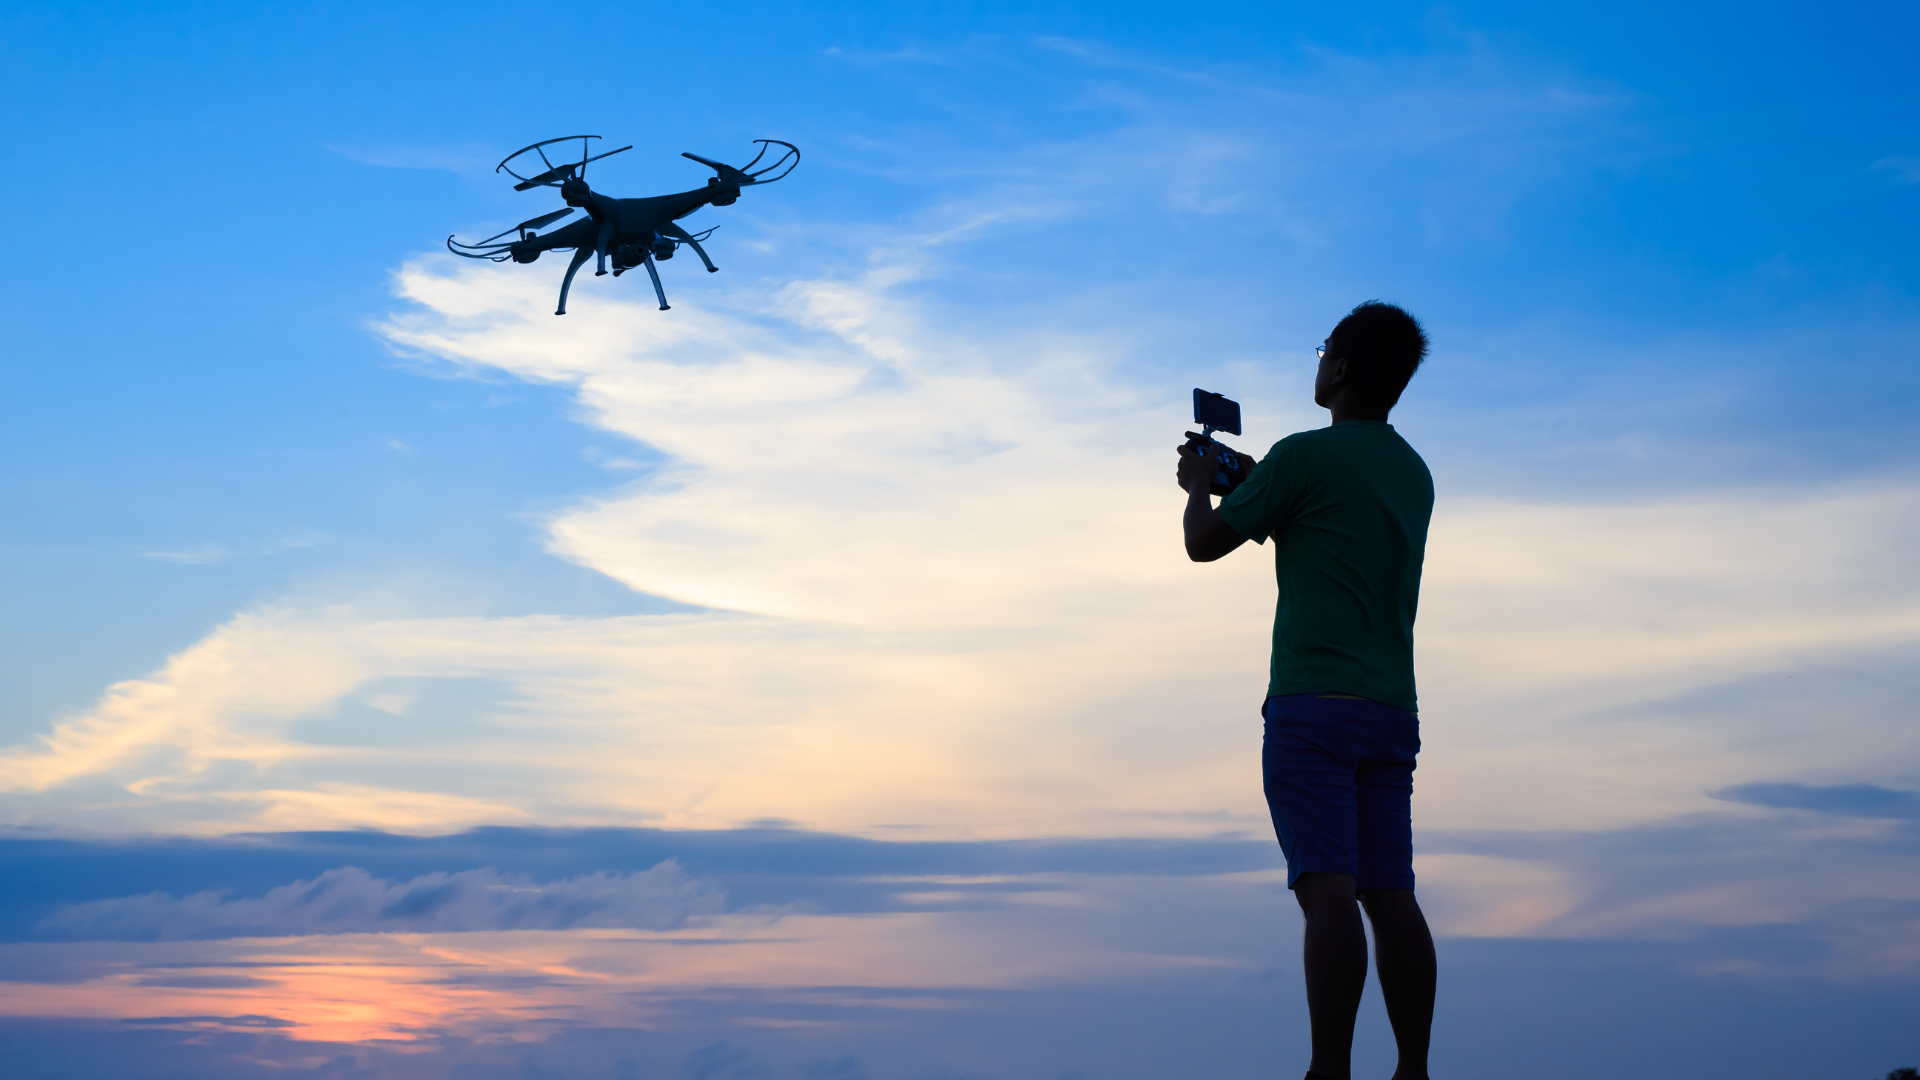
1216,411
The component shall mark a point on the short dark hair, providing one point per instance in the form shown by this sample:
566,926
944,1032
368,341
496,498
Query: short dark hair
1383,346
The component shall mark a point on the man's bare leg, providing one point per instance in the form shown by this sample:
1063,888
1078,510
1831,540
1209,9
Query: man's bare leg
1403,950
1335,951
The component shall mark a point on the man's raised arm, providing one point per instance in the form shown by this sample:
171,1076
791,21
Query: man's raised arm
1208,534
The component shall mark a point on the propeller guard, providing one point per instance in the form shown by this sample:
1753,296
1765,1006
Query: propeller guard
494,251
552,175
746,175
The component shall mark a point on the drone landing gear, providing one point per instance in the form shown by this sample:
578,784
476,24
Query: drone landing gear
657,290
579,260
683,236
651,272
600,248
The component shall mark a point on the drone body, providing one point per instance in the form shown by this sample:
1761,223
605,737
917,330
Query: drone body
627,232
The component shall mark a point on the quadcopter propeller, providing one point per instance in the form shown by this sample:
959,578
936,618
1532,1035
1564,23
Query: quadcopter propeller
488,249
562,172
544,220
554,174
745,175
525,227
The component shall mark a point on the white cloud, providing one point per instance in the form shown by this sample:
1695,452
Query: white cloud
936,608
1555,640
872,474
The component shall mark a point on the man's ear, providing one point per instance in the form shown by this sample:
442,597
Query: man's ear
1338,372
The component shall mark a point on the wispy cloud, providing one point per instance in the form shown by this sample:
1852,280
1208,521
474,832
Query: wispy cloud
467,157
1843,800
204,555
1903,170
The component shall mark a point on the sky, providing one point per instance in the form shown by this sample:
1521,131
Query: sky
806,682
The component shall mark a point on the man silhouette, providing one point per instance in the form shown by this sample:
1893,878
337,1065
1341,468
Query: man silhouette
1347,507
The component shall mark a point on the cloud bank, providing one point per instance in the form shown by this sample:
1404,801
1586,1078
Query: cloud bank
1844,800
348,900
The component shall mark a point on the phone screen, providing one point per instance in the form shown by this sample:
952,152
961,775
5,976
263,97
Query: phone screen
1216,411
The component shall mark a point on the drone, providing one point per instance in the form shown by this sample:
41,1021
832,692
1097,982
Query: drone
625,232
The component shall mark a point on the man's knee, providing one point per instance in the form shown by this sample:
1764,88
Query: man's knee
1387,903
1319,890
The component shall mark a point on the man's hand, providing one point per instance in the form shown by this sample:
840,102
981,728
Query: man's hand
1208,535
1193,466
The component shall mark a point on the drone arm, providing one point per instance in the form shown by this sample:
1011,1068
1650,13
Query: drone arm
577,193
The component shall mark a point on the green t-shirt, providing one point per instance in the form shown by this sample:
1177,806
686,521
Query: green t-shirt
1347,507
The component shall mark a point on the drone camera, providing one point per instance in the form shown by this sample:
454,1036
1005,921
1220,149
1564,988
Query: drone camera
1216,412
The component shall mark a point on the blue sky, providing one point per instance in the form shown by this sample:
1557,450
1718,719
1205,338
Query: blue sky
324,544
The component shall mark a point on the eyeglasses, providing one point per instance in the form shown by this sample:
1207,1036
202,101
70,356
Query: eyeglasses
1320,351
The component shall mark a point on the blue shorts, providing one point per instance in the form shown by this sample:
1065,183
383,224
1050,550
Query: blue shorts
1339,780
